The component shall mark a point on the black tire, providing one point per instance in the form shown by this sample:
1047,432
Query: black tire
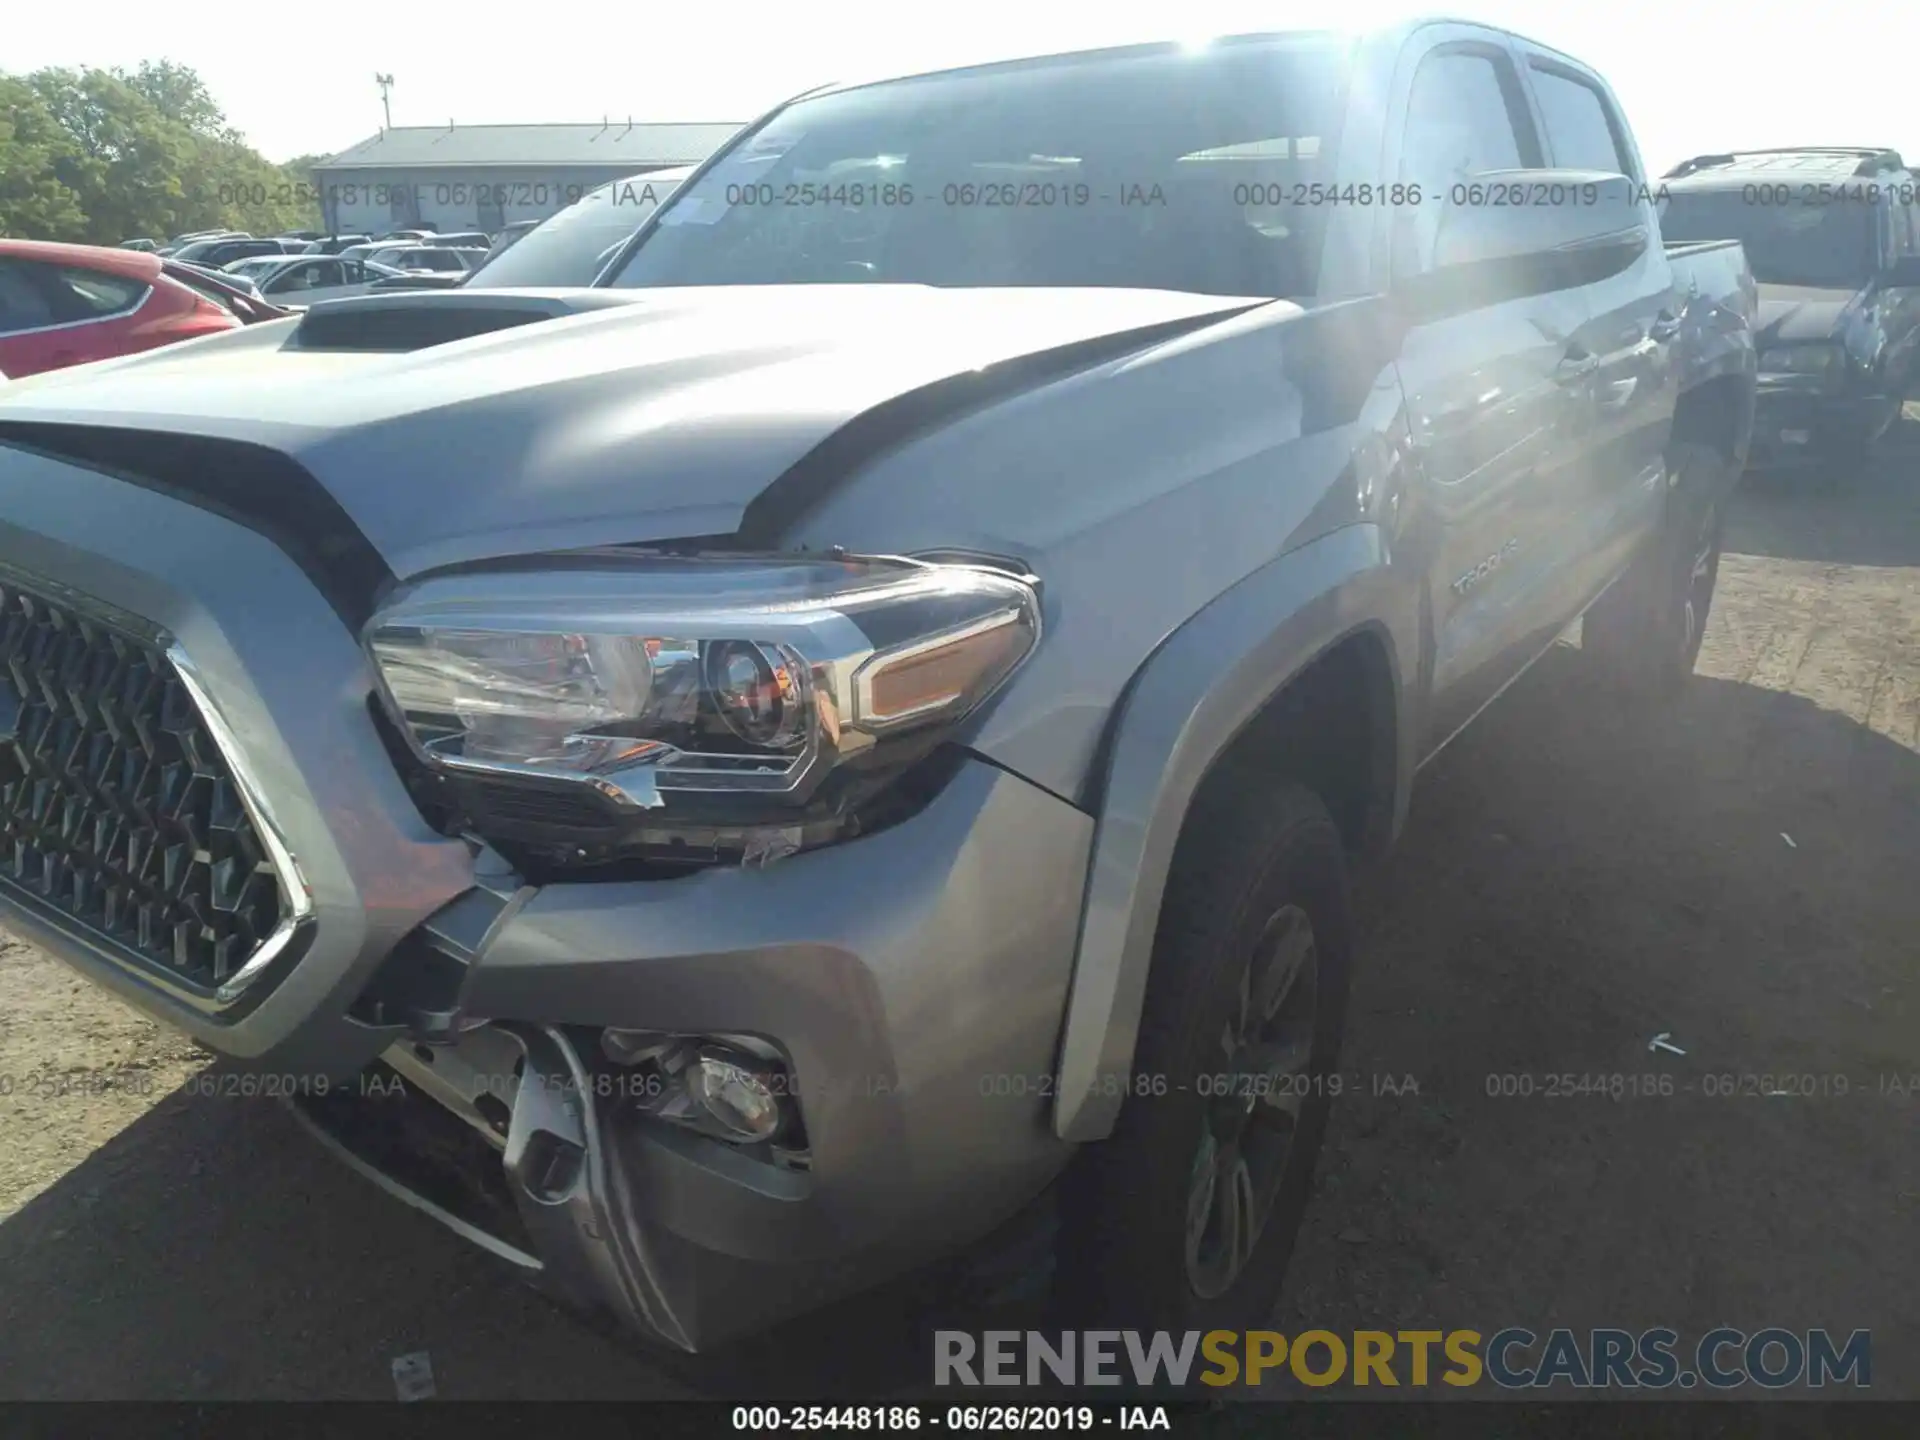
1645,632
1251,860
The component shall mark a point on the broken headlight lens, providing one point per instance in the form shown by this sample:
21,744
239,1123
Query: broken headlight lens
677,684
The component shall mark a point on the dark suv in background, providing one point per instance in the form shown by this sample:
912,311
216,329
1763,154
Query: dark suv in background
1833,236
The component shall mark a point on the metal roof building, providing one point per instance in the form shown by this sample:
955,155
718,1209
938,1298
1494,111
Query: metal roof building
482,177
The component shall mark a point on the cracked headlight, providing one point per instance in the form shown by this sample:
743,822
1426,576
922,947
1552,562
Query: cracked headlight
692,694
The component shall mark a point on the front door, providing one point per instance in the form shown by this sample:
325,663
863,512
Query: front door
1499,400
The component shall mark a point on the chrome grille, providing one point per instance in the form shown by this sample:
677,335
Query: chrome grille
117,807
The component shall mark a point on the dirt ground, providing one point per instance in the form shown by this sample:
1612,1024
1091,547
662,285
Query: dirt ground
1741,874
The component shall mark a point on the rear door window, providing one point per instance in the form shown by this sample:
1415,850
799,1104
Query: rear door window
94,294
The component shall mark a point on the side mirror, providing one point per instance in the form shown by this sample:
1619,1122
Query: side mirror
1517,232
1902,274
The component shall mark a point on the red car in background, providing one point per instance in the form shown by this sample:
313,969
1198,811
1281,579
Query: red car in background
64,305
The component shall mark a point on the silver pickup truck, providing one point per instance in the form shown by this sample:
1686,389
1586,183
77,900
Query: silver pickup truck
736,783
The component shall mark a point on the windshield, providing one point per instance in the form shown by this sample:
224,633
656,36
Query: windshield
569,248
1161,170
1830,246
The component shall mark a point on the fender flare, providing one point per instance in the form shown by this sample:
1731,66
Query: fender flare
1186,704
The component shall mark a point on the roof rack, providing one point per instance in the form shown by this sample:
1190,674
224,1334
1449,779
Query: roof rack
1874,159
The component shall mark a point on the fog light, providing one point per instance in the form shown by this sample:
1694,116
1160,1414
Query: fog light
732,1087
736,1095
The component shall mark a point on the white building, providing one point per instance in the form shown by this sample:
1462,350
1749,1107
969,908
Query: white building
483,177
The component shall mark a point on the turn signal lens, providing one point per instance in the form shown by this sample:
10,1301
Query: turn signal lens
939,674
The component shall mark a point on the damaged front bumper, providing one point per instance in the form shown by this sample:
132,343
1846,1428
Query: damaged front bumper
542,1197
915,978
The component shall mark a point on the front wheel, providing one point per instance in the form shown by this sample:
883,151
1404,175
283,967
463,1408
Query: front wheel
1186,1216
1645,632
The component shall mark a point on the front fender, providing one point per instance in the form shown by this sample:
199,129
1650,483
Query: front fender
1195,693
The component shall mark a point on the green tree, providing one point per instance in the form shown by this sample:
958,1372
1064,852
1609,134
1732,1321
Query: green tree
107,155
126,158
34,202
179,93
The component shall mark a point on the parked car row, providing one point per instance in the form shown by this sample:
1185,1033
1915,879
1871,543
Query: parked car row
251,279
297,242
301,280
847,738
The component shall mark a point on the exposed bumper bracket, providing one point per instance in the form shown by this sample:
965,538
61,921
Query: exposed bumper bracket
565,1190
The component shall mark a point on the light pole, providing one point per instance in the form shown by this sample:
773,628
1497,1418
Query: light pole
385,82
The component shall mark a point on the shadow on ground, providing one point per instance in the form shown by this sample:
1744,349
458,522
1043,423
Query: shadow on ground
1576,881
1804,514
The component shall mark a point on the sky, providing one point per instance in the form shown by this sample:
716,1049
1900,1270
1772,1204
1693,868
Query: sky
1693,77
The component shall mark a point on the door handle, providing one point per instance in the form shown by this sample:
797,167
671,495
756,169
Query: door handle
1666,325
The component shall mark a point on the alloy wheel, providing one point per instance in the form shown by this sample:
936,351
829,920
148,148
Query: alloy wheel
1253,1103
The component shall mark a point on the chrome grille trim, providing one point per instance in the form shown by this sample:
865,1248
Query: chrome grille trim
296,895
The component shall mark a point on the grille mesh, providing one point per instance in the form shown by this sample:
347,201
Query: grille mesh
116,806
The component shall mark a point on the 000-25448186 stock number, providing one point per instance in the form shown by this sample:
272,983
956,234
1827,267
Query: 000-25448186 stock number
48,1085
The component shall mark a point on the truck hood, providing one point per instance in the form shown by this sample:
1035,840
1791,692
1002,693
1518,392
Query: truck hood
563,419
1790,314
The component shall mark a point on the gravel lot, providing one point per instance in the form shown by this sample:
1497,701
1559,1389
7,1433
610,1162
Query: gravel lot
1739,873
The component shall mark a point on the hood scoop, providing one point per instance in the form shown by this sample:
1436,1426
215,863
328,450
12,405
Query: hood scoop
420,320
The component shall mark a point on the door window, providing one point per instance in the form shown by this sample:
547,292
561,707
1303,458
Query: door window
1580,130
93,294
1460,120
22,306
1464,117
